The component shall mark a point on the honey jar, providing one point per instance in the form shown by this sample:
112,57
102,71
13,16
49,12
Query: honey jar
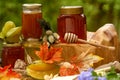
12,52
30,46
31,16
73,20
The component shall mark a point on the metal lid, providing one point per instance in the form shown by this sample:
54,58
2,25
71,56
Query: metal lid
32,7
71,10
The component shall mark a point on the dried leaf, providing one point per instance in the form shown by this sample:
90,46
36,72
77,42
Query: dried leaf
90,59
79,62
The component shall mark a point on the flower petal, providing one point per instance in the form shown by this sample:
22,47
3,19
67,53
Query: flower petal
49,55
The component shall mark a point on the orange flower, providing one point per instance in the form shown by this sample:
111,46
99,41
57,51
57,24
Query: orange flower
49,55
12,74
8,74
3,70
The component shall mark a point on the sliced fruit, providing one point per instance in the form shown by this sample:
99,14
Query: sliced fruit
7,26
40,74
41,66
13,34
2,36
5,78
13,39
39,69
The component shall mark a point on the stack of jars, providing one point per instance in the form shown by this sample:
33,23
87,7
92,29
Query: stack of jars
71,19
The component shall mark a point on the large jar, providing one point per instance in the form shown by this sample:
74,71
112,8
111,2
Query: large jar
72,20
10,53
31,16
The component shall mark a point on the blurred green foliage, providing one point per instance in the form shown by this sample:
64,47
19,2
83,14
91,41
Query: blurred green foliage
98,12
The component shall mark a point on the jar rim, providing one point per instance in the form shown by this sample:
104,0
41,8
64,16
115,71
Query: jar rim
71,10
30,5
11,45
70,7
32,8
32,42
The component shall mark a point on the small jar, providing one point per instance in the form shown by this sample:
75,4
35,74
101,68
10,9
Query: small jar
31,16
30,46
72,20
10,53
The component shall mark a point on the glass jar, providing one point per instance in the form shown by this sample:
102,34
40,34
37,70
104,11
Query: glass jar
10,53
30,46
31,16
72,20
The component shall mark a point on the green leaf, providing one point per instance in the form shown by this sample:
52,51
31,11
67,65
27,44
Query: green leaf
94,74
112,75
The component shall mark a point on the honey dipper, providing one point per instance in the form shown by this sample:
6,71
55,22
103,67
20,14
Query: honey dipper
71,38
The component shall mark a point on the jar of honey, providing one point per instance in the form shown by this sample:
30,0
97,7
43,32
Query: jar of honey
10,53
31,16
30,46
71,19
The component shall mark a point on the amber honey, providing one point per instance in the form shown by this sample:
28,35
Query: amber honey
72,20
31,16
12,52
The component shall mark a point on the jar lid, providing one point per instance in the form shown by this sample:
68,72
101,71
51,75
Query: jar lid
71,10
32,7
11,45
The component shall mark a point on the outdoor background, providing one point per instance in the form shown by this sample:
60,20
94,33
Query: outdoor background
98,12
